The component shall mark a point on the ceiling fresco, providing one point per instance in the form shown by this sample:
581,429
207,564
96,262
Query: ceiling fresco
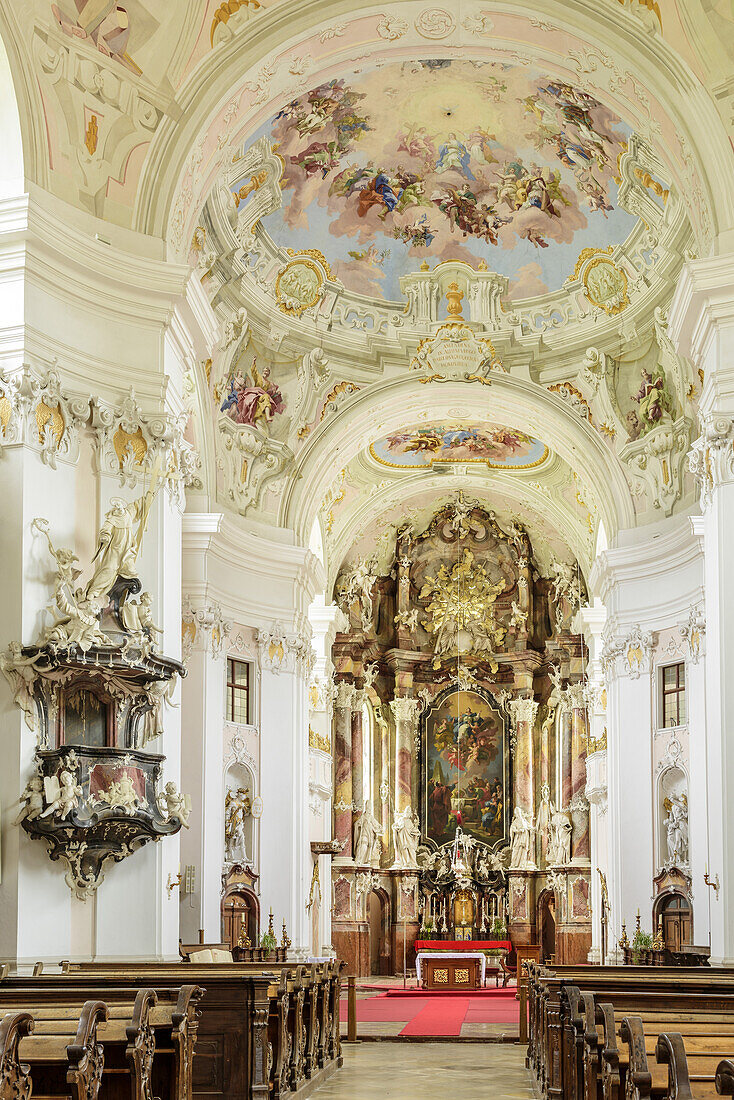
401,163
419,447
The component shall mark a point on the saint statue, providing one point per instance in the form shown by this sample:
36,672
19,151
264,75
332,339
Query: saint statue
406,836
676,824
366,838
119,542
559,848
237,807
521,839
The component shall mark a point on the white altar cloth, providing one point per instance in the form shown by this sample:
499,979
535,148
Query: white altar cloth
458,955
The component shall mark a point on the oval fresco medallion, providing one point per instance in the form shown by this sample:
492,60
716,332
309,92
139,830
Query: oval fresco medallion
421,446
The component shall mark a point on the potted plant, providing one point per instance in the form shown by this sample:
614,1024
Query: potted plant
641,948
269,943
427,928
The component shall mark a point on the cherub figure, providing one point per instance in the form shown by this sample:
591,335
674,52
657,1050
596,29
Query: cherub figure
61,797
32,798
172,804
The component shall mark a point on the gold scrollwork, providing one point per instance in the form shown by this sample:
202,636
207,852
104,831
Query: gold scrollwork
299,285
122,439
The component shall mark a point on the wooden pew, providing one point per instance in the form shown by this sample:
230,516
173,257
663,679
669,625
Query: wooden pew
556,1048
237,1053
53,1052
148,1039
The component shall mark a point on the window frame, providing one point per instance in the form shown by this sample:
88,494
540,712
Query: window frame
679,693
231,688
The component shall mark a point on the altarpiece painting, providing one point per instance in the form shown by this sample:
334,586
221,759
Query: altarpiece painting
466,769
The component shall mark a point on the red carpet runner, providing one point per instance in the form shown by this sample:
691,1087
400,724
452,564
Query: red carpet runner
436,1014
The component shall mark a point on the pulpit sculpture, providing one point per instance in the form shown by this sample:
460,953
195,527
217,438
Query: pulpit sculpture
93,688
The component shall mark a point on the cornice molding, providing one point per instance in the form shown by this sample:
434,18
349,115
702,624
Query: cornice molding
670,548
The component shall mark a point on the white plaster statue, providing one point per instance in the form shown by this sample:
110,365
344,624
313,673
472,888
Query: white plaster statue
22,674
367,843
357,586
32,800
676,824
566,592
173,804
518,618
521,839
78,621
120,795
559,846
118,543
137,617
237,807
406,836
61,797
488,863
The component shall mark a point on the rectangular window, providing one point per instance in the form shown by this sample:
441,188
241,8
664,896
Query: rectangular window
674,694
238,691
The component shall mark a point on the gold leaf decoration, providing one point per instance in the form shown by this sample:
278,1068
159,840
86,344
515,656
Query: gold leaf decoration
5,410
121,439
46,415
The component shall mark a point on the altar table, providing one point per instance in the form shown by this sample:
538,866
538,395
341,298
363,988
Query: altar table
450,969
467,948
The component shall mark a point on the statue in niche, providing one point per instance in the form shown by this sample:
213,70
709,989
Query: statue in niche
518,618
521,840
676,824
237,807
406,836
367,843
559,846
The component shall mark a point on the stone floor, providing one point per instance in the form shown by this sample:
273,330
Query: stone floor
429,1071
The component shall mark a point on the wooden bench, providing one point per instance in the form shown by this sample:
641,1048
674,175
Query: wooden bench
238,1052
149,1034
52,1052
561,1044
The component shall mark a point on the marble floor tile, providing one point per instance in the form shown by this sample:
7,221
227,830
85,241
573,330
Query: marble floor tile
429,1071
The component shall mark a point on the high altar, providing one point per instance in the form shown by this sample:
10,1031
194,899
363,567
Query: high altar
460,746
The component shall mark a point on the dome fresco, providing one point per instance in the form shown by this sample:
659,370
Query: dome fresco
398,164
419,447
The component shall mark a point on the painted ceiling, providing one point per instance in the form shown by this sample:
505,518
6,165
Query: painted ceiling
419,447
401,163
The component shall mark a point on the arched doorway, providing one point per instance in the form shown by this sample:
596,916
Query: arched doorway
547,925
379,943
240,901
674,912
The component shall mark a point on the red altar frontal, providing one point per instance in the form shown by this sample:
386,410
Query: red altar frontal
463,945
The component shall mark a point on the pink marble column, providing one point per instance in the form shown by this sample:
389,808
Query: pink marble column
566,757
357,754
524,712
406,724
343,797
580,842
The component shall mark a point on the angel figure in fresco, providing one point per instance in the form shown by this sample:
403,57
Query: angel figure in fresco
453,154
248,402
105,23
653,399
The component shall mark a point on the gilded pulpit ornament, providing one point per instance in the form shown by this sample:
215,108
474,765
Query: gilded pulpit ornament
93,688
460,613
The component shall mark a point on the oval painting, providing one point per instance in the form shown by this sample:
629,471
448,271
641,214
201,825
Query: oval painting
419,447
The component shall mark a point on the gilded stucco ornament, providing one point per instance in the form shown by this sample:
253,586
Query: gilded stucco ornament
299,284
456,354
657,461
460,612
605,284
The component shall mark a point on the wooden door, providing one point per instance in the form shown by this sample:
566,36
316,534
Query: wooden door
676,923
234,908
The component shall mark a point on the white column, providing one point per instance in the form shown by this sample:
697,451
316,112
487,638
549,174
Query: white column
702,326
